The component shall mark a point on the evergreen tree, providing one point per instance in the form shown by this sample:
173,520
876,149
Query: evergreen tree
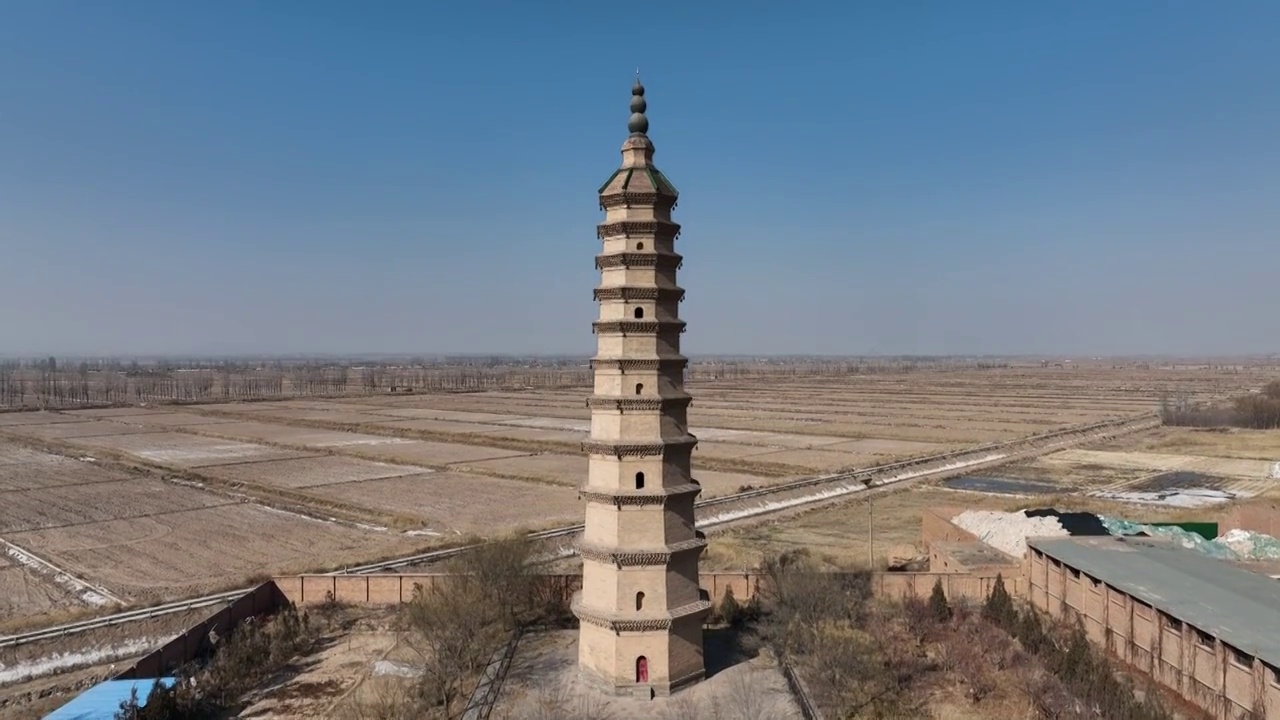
730,610
998,609
939,608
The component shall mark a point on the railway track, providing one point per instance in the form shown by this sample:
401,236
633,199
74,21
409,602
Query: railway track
769,500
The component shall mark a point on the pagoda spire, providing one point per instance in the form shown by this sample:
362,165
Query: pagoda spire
638,124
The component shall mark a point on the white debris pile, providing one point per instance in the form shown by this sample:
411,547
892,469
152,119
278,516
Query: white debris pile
1251,545
1275,471
395,669
1008,531
1185,498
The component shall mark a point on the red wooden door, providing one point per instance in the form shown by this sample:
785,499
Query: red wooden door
642,669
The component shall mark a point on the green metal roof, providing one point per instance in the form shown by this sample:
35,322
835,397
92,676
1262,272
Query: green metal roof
1239,607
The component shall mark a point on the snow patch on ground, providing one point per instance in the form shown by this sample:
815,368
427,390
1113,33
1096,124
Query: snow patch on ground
232,451
88,594
547,423
1186,498
422,533
365,441
62,662
1008,531
388,667
330,521
1275,471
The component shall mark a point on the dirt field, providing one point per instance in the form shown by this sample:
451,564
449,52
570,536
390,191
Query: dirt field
504,458
459,503
1236,461
88,503
182,450
180,554
838,534
147,539
24,594
310,472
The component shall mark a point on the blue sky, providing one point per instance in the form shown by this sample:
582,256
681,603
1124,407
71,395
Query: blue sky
866,178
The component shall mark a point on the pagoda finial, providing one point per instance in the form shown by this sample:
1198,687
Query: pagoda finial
638,124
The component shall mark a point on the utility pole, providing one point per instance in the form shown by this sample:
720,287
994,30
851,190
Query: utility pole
867,482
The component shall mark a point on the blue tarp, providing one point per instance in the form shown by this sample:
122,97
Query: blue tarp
102,701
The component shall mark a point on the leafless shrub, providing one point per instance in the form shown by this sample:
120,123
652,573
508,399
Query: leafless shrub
386,701
254,652
857,659
1259,411
456,626
682,707
745,697
559,702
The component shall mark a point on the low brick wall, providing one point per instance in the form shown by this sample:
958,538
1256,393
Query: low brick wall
936,526
393,589
264,599
1258,517
896,586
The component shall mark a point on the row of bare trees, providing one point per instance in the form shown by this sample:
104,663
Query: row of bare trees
1259,410
53,383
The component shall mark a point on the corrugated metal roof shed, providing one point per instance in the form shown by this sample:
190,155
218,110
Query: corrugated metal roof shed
102,701
1239,607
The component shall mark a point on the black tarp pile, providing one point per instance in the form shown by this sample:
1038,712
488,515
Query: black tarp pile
1077,524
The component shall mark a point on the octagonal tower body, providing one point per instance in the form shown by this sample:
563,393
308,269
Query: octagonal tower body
640,608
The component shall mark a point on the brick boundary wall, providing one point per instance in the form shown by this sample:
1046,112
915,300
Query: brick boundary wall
936,526
191,643
1255,517
399,588
302,590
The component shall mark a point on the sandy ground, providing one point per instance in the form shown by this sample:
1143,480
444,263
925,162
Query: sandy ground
544,676
327,678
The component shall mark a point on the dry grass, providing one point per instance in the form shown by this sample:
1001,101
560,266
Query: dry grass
1230,443
837,534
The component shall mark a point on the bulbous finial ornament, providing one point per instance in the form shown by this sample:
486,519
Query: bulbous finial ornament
638,124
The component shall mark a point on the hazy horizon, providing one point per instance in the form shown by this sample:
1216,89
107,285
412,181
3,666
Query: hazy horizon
1037,180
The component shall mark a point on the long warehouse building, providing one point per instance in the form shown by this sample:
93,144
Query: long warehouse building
1201,627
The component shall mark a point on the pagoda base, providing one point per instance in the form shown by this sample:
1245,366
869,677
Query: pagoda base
644,691
645,661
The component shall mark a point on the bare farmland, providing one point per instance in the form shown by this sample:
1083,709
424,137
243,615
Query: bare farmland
310,472
488,461
461,503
